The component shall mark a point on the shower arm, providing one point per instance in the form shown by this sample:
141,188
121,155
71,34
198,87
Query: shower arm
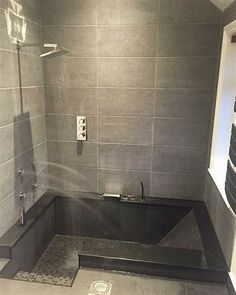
55,49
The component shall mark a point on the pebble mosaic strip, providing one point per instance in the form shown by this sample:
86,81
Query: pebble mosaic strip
43,279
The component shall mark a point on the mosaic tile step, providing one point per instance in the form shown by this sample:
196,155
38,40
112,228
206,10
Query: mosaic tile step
43,279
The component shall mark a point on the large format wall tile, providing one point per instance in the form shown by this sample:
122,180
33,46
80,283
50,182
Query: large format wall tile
9,212
8,75
81,72
125,182
31,73
126,157
184,103
76,179
31,132
9,179
62,12
127,41
144,73
7,106
3,3
179,159
189,40
181,132
229,13
9,142
78,40
125,130
33,101
30,10
186,73
72,154
125,102
127,12
38,129
189,11
32,36
222,218
40,157
63,127
126,72
71,100
183,186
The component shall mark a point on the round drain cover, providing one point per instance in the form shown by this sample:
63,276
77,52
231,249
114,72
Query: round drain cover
101,287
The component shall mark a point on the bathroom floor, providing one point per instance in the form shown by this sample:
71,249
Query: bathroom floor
122,284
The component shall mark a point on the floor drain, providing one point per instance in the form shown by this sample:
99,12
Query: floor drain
100,287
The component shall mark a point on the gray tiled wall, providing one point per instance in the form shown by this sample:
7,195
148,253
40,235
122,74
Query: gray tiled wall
222,218
230,13
144,73
22,137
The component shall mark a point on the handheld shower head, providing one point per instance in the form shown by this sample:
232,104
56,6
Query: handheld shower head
56,50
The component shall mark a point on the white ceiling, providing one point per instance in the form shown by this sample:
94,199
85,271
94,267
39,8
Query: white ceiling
222,4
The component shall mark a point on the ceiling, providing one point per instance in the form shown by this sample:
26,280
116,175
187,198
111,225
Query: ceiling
222,4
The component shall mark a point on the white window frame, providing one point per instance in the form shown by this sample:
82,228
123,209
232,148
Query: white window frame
224,111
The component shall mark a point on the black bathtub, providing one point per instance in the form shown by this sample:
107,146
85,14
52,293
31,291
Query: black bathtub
157,236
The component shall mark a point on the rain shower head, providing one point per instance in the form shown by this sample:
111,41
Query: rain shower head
56,50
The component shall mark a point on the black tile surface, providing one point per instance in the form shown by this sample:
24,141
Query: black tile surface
16,232
58,265
164,237
185,235
109,219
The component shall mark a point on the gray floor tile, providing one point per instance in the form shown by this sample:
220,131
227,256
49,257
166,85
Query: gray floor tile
206,289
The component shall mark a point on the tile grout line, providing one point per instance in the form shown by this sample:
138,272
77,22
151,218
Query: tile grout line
129,117
132,170
44,91
133,24
154,98
22,121
97,141
23,153
117,87
24,87
133,57
193,147
21,53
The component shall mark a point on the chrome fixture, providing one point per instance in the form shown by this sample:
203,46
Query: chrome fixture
35,185
20,172
112,196
81,128
55,50
142,190
22,196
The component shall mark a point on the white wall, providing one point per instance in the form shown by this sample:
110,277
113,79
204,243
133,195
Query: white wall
224,115
226,93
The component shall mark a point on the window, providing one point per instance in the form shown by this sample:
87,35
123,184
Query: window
224,110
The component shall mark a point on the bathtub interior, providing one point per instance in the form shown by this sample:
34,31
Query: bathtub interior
156,237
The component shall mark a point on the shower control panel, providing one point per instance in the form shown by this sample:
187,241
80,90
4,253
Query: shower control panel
81,128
